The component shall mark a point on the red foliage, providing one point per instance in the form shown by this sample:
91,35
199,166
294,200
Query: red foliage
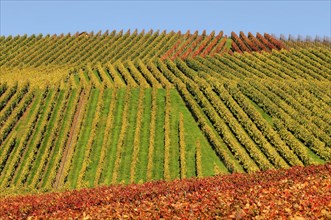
209,48
202,45
275,42
252,43
293,193
235,48
191,47
178,42
257,42
184,45
187,53
245,39
239,42
265,41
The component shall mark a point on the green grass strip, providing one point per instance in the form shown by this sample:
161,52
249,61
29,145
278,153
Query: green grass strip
192,135
126,156
22,124
176,103
30,145
42,149
265,115
76,78
20,129
144,138
106,175
158,157
228,43
57,148
95,72
78,157
96,149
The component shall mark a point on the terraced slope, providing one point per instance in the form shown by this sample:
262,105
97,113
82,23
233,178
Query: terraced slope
99,120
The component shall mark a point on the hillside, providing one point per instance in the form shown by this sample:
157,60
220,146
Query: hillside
97,109
82,48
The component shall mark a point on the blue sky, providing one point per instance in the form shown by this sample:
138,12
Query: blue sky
278,17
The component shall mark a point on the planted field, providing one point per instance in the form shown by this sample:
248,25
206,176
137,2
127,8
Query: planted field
99,109
87,137
83,48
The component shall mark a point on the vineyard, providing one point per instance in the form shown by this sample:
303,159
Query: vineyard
88,110
83,48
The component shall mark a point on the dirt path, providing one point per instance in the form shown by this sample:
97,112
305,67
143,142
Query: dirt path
69,142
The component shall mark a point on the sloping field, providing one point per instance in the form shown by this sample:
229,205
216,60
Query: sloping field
83,48
99,109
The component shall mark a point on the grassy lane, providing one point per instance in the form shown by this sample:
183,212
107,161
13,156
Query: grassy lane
11,105
91,140
151,144
97,146
128,145
7,95
37,180
42,150
76,123
190,142
10,163
9,148
176,107
120,143
22,126
137,132
182,147
167,144
23,123
55,158
78,157
31,145
141,166
106,138
203,122
108,165
76,79
192,134
265,115
158,158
